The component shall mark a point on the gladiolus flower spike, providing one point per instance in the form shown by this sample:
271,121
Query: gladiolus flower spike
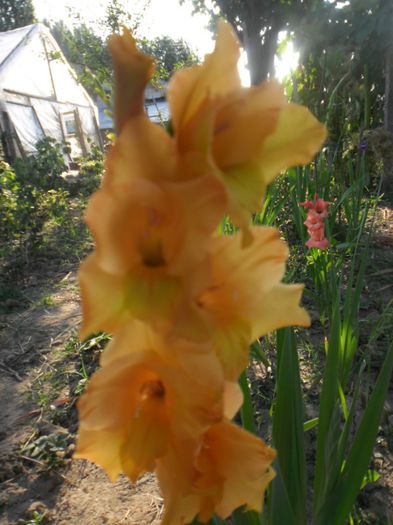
183,304
315,222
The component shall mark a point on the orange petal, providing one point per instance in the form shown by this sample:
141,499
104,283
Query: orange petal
103,299
187,366
133,70
102,448
258,134
297,137
243,122
228,468
129,404
232,346
279,308
202,202
111,300
147,242
147,437
246,188
176,472
237,296
153,298
217,76
143,401
233,399
143,150
132,226
242,463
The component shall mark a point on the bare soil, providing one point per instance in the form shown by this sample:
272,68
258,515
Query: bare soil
53,489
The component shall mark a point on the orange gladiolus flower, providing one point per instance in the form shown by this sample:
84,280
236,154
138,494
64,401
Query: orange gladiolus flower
147,232
184,304
226,469
241,297
141,400
250,134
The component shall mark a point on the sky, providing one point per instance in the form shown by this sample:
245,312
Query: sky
162,17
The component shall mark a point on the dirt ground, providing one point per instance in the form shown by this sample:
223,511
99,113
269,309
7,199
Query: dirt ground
39,381
69,492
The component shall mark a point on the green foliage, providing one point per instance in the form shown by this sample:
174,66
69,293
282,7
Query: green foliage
117,16
289,488
342,65
42,170
87,52
36,519
9,188
16,13
32,193
35,204
48,449
257,25
90,171
341,468
169,54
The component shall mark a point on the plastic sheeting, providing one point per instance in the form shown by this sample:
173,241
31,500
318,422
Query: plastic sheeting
36,81
26,126
27,69
87,122
35,67
10,39
67,88
48,115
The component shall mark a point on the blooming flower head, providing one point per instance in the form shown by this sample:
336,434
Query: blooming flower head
317,213
144,396
317,205
145,229
182,303
226,469
240,297
246,134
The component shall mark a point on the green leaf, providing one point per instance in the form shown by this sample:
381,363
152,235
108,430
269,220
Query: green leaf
257,353
371,477
343,441
338,505
279,505
288,433
311,423
244,517
247,410
327,410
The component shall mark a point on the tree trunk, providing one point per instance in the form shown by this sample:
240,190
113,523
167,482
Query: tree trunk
260,55
388,108
387,182
254,18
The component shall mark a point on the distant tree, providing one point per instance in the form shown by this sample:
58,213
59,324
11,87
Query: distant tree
117,15
169,54
16,13
257,24
350,47
88,54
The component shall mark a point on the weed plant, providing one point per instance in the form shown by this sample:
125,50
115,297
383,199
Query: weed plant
41,213
323,462
323,458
